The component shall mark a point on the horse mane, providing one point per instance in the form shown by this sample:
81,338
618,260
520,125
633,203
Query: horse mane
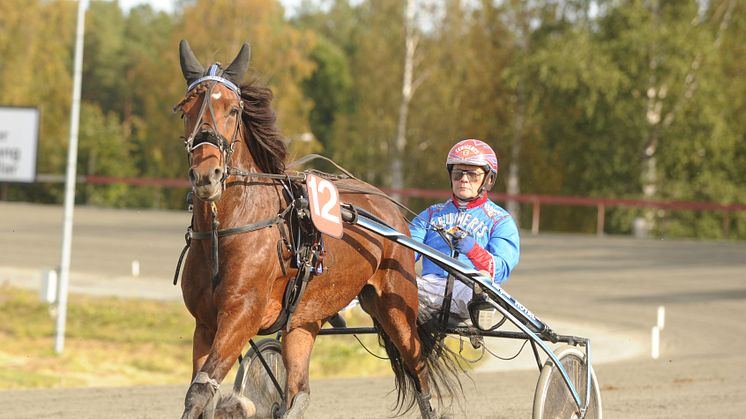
262,136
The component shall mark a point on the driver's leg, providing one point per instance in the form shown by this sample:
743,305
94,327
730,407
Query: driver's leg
430,289
460,299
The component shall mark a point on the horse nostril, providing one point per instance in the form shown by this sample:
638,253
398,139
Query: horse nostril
192,175
218,173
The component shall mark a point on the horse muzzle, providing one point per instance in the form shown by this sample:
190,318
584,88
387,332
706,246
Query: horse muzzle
207,185
208,170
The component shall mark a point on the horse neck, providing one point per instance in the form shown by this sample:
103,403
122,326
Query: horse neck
245,199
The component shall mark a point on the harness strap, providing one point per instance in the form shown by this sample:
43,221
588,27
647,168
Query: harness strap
214,242
188,241
292,298
215,234
293,291
283,242
247,228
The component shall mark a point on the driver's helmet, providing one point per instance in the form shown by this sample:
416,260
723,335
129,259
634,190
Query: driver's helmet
474,153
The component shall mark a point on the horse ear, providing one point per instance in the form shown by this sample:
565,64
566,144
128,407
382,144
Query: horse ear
236,71
190,66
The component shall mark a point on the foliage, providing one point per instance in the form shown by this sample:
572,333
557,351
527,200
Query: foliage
103,150
608,98
330,89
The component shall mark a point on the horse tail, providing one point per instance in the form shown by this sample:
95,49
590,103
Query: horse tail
442,363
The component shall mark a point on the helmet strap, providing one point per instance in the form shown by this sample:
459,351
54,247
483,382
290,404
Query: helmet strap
487,183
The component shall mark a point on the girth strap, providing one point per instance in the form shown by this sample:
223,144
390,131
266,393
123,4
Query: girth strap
294,291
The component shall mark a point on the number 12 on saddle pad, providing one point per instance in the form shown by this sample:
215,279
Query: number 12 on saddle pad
324,200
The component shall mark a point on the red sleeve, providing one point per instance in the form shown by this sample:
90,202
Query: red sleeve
482,259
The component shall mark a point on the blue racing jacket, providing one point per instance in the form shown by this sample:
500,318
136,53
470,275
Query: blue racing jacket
497,248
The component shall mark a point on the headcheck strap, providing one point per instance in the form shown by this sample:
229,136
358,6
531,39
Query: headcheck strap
212,74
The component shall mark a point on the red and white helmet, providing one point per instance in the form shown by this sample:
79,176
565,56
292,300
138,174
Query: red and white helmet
474,153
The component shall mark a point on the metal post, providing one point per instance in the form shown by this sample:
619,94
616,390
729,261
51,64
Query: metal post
600,219
536,212
726,224
72,158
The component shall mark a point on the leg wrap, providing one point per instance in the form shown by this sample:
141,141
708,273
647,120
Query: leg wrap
298,406
203,378
200,393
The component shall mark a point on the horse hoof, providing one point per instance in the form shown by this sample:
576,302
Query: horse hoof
234,406
299,405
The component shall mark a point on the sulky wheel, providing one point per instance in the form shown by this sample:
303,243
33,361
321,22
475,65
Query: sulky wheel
254,381
553,399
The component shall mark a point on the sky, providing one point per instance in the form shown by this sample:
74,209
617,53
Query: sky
165,5
168,5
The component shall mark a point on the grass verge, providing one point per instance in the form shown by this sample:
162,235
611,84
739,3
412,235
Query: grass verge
124,342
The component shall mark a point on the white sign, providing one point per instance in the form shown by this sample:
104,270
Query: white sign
19,138
325,212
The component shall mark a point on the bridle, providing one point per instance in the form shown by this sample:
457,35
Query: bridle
206,133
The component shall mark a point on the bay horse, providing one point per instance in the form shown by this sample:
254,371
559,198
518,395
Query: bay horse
233,286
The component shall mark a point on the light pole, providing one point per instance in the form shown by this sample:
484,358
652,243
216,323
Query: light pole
72,158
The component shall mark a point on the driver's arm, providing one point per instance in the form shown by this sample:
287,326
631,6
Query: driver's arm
502,252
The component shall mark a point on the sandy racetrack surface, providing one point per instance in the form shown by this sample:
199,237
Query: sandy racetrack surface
607,289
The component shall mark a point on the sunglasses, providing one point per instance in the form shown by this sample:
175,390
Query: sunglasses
472,175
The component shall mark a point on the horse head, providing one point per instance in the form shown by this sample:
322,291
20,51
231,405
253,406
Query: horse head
212,118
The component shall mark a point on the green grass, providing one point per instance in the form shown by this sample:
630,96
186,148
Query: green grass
108,341
121,342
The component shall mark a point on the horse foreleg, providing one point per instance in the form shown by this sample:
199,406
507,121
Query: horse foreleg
221,355
296,354
201,387
201,343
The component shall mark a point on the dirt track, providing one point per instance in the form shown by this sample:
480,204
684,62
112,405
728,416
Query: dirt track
607,289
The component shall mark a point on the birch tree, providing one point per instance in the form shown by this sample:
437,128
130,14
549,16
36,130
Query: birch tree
659,114
408,87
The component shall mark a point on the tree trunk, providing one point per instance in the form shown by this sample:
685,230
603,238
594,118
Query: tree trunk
407,90
521,113
514,179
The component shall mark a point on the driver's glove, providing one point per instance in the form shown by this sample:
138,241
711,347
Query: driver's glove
481,258
465,244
